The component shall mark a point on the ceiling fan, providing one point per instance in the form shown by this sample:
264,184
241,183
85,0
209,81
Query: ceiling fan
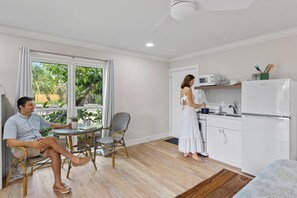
182,9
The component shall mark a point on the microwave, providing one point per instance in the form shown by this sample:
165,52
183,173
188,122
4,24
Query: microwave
212,79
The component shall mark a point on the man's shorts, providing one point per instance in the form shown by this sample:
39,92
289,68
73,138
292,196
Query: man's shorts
32,152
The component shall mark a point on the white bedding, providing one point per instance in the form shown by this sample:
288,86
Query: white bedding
278,180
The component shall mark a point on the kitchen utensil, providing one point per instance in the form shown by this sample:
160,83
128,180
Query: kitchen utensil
258,68
266,69
205,110
270,67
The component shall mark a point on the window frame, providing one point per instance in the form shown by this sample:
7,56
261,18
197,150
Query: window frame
72,63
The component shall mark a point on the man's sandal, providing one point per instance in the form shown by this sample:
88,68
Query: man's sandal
62,188
82,161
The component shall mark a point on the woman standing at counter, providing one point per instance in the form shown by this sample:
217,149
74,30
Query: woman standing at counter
190,141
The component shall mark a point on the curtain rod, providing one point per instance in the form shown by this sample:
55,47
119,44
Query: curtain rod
53,53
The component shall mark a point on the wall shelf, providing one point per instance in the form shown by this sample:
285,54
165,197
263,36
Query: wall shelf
238,85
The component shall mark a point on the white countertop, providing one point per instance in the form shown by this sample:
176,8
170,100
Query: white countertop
219,116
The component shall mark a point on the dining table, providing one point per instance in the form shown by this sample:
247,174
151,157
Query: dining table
86,141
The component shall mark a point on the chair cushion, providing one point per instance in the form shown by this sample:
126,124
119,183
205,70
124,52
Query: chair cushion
108,140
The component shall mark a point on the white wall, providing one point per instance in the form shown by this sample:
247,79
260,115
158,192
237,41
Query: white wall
239,64
141,85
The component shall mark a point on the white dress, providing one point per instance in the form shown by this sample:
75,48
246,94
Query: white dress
190,140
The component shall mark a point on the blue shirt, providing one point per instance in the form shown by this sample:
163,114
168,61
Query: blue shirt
24,128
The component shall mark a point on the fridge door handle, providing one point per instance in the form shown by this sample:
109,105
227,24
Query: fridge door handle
268,116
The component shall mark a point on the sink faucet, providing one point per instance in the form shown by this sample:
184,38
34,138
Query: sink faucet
234,107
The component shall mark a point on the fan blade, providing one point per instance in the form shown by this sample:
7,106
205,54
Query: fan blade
217,5
165,18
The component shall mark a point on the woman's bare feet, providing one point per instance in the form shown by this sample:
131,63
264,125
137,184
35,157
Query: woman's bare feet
187,154
196,158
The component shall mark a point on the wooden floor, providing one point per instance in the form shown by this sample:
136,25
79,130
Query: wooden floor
154,169
224,184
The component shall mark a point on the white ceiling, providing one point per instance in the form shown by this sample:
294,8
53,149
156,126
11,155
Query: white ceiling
126,24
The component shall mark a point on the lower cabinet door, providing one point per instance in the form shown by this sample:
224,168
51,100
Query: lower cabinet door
233,147
215,143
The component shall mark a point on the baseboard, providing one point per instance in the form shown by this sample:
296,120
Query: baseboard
147,139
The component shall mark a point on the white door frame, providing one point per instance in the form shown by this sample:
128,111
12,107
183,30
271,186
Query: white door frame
173,70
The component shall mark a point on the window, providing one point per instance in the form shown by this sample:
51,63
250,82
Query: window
88,93
64,88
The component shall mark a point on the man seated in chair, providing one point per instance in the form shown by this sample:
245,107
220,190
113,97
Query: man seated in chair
22,130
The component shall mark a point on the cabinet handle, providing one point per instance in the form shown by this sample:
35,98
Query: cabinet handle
226,139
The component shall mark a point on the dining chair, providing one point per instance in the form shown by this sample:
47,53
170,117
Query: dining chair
116,138
35,163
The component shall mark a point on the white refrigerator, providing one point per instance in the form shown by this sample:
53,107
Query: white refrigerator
269,110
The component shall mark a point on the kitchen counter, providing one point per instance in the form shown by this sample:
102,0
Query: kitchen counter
225,115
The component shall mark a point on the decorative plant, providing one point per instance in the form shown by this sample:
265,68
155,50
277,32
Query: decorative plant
74,122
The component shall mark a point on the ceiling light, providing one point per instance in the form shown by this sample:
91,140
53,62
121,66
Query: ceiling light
181,10
150,44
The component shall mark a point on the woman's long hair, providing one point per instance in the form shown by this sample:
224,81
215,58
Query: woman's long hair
187,79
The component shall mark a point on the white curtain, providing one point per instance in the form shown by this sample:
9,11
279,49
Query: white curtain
24,88
108,96
24,78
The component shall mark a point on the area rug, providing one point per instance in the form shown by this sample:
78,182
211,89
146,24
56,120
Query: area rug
172,140
223,184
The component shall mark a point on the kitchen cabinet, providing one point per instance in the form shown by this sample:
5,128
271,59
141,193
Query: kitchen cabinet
224,139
